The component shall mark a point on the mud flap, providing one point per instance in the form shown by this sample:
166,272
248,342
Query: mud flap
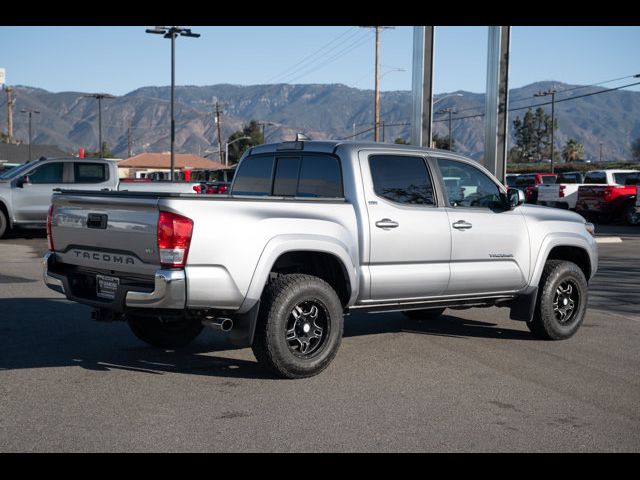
523,306
244,326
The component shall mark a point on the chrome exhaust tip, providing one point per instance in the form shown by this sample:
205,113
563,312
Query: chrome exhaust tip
218,323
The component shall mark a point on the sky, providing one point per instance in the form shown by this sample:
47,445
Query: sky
118,60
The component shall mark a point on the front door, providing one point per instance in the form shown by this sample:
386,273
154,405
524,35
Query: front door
410,238
31,201
489,242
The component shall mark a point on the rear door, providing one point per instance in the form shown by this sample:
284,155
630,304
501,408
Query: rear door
489,243
31,201
410,238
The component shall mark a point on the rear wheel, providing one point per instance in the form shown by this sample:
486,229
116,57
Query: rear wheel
164,332
4,223
424,314
562,301
299,327
631,216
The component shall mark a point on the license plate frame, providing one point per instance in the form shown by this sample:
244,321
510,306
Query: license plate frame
107,286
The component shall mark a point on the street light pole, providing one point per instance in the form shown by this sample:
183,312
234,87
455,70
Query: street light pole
30,112
172,33
226,149
551,92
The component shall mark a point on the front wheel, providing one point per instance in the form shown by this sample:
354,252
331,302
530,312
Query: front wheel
299,326
631,216
562,301
164,332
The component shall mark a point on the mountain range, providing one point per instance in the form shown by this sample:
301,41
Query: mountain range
70,120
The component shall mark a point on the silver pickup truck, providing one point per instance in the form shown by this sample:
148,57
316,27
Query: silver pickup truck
25,191
310,231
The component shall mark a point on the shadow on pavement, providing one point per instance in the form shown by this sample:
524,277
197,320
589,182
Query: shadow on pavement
25,234
45,333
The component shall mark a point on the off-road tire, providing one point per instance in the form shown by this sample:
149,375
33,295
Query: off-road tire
270,345
545,323
4,223
161,334
425,314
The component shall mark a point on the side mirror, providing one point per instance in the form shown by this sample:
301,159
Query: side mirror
22,181
515,197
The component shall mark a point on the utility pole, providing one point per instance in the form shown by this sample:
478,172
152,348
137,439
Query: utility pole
219,136
129,140
376,121
30,112
551,92
9,91
450,111
99,97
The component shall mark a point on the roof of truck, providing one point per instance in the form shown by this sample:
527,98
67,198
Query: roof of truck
328,146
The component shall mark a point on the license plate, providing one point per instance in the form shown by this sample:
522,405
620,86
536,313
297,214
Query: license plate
106,287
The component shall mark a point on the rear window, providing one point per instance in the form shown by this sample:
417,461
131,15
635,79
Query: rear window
254,176
598,178
511,180
620,178
309,175
546,179
525,180
569,178
90,172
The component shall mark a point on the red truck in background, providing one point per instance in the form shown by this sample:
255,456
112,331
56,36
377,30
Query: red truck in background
528,183
614,198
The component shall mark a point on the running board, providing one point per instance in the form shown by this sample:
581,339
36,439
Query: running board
437,303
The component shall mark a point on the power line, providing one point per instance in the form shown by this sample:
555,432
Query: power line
350,33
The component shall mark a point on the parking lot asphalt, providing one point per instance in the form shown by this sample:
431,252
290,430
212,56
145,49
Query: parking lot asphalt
471,381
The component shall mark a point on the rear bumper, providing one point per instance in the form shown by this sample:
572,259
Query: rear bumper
169,290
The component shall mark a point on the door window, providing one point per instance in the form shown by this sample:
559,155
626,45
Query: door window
90,172
401,179
47,173
467,186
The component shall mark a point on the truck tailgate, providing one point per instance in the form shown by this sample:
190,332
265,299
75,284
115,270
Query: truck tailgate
548,193
103,232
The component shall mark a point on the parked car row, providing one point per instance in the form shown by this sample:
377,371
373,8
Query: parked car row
598,195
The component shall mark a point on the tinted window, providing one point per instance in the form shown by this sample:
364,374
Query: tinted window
525,180
620,178
511,180
596,177
89,172
320,177
401,179
47,173
569,178
546,179
469,187
254,176
285,182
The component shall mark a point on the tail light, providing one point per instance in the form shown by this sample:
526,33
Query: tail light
528,191
562,187
222,189
197,188
174,239
212,189
49,236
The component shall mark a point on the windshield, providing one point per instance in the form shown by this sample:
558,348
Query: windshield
14,172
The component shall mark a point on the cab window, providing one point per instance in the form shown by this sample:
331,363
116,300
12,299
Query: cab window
467,186
47,173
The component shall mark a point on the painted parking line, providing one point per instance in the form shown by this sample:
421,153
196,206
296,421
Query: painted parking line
608,240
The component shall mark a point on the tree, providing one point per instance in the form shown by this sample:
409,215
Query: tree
442,142
572,151
251,130
533,135
401,141
635,150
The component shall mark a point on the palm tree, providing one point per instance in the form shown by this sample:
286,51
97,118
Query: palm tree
572,151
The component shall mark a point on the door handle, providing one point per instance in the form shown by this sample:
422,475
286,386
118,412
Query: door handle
462,225
386,223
